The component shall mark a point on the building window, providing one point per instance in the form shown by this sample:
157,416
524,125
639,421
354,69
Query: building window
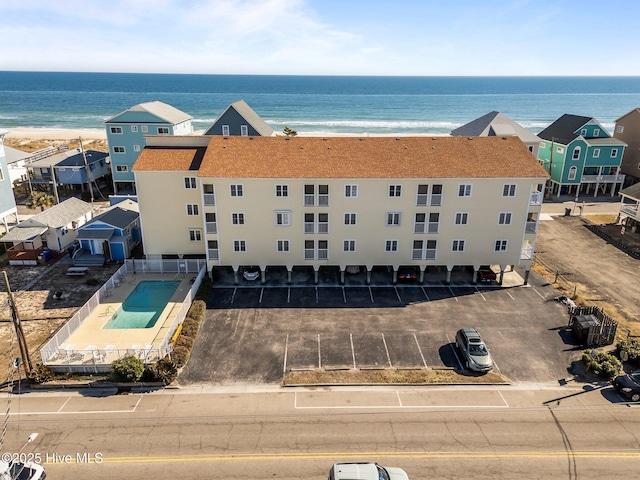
239,245
282,190
323,223
619,129
244,130
501,246
236,190
225,130
350,218
559,149
596,153
457,246
462,218
348,245
614,152
509,190
531,148
583,132
436,195
434,223
122,168
423,195
309,195
391,246
118,149
393,219
464,190
576,154
212,247
351,190
237,218
134,128
136,148
163,130
309,223
395,190
144,128
195,235
192,209
416,250
323,195
189,182
115,130
596,132
573,171
283,218
504,218
282,245
420,223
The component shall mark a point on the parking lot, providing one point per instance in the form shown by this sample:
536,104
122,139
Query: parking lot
257,333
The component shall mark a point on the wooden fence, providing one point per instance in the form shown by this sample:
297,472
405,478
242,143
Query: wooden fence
601,333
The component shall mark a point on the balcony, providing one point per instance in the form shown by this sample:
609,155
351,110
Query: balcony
214,254
535,198
602,178
209,200
531,227
211,227
630,210
527,253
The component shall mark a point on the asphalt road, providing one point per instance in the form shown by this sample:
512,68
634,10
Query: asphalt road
436,433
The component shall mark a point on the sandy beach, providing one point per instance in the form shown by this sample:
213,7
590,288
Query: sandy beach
56,133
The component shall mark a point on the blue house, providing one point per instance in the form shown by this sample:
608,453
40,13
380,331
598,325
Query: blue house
239,119
8,209
126,132
71,171
109,236
581,157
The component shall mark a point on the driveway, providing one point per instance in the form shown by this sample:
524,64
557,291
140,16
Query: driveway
254,334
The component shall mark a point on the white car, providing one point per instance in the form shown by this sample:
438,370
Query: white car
365,471
251,273
21,471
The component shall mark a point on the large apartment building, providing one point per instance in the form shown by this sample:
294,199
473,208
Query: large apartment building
339,202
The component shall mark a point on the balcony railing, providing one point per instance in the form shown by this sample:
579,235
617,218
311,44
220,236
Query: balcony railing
535,198
531,227
211,227
214,254
602,178
631,210
209,199
527,253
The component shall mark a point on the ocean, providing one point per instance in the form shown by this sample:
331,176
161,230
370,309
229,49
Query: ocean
315,104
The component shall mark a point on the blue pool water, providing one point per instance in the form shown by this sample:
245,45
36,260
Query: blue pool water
143,306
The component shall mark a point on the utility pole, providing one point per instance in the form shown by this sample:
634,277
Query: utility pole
86,169
55,183
22,341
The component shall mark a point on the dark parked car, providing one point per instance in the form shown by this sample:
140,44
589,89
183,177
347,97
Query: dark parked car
407,274
628,385
486,275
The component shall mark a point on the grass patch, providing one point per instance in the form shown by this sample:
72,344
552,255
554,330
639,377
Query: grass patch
602,219
389,376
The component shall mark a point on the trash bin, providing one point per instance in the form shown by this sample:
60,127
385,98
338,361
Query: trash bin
567,212
42,259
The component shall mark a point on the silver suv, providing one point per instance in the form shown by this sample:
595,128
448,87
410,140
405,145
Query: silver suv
365,471
474,352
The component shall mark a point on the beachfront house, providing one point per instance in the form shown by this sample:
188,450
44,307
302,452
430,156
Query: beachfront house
239,119
8,209
496,124
47,234
580,157
126,133
17,165
73,171
345,204
109,236
627,129
630,207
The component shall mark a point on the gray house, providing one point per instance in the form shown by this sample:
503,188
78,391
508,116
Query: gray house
239,119
496,124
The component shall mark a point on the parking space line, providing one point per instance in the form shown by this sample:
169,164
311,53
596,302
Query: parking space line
397,294
288,294
483,297
371,295
344,296
425,294
507,292
539,294
386,350
316,294
420,350
455,351
286,350
353,352
233,296
261,293
319,354
454,295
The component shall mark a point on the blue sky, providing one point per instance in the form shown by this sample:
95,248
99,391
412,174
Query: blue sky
323,37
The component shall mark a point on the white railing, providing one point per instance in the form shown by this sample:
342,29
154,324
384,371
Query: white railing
178,265
602,178
535,198
631,210
527,253
531,227
214,254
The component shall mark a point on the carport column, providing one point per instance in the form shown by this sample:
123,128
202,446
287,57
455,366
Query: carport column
502,269
316,269
342,269
475,274
448,280
235,274
526,276
289,270
423,268
263,275
394,279
369,268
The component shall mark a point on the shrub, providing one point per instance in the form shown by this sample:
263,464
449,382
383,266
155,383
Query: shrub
631,347
166,370
41,373
180,355
601,363
198,307
184,341
126,369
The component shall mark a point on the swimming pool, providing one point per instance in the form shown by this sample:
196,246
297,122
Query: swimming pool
143,306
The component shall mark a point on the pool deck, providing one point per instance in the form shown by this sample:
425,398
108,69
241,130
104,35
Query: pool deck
90,343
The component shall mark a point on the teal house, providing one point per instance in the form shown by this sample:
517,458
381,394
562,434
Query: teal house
581,157
126,133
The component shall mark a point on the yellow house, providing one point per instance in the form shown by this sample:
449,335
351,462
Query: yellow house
340,202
